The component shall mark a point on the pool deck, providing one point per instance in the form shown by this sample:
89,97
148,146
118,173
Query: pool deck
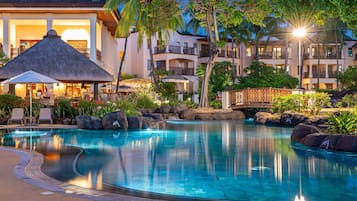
22,179
44,126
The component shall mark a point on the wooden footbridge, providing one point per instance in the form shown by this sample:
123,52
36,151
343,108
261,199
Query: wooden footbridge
254,97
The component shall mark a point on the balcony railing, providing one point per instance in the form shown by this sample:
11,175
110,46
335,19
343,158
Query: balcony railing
332,56
331,74
189,50
181,70
175,50
271,55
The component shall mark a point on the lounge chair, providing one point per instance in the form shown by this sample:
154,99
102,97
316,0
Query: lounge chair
17,114
45,115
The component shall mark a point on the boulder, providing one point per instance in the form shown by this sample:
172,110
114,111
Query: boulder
155,116
330,142
149,122
347,143
267,118
178,108
115,120
135,122
204,116
313,140
87,122
238,115
165,109
189,114
301,130
292,119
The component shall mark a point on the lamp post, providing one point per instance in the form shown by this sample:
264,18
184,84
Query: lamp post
300,33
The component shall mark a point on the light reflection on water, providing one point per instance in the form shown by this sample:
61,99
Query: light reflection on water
228,160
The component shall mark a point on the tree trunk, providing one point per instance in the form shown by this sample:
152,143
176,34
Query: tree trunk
121,64
286,54
153,68
318,62
337,56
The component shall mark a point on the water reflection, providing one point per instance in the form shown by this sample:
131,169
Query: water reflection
218,160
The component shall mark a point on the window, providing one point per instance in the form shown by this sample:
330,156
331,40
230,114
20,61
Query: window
249,52
277,52
148,67
195,45
349,52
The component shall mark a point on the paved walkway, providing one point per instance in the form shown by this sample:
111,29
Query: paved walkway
14,189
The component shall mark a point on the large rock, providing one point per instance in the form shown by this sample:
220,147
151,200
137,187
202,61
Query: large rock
189,114
178,108
330,142
165,109
149,122
313,140
292,119
302,130
115,120
135,122
155,116
204,116
87,122
347,143
267,118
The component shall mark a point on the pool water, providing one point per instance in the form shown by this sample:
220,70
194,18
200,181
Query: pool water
213,160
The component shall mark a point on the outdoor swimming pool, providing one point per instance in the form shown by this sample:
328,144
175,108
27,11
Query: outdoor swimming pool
216,160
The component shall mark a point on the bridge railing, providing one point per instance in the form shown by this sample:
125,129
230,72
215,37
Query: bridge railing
255,97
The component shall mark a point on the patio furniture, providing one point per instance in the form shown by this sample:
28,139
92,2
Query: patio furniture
45,115
17,114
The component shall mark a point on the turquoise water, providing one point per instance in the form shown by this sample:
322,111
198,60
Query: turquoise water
215,160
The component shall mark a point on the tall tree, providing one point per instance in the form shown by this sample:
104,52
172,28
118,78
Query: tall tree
213,14
149,17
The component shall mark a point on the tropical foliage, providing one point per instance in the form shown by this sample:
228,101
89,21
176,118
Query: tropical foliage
348,78
309,103
343,123
8,102
261,75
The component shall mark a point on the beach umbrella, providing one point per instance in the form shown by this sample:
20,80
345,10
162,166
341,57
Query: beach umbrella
30,77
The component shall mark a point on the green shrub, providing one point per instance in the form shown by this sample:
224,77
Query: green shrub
87,108
350,100
9,101
127,107
63,108
343,123
143,101
108,107
291,102
316,101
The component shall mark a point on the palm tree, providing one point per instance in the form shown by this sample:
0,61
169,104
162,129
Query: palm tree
149,17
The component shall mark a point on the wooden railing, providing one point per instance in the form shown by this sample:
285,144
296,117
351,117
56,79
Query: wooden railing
255,97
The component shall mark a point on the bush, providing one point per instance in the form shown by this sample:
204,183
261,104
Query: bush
287,103
316,101
87,108
127,107
108,107
144,101
343,123
350,100
8,102
63,108
311,103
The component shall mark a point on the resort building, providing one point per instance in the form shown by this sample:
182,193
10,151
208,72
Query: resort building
181,55
83,24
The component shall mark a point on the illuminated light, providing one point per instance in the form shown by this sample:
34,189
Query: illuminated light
299,198
299,32
52,157
75,34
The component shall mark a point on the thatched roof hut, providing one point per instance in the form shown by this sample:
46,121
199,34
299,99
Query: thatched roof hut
56,59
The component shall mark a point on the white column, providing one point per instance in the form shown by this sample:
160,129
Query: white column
326,70
6,36
194,67
310,71
167,62
93,37
49,22
310,54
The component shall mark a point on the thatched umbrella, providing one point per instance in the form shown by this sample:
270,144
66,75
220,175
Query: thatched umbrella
56,59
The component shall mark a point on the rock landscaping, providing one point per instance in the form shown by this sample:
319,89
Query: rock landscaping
313,136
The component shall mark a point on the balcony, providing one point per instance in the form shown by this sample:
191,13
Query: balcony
331,74
221,53
175,50
181,71
270,55
330,56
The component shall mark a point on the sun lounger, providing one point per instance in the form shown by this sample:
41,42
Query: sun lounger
17,115
45,115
